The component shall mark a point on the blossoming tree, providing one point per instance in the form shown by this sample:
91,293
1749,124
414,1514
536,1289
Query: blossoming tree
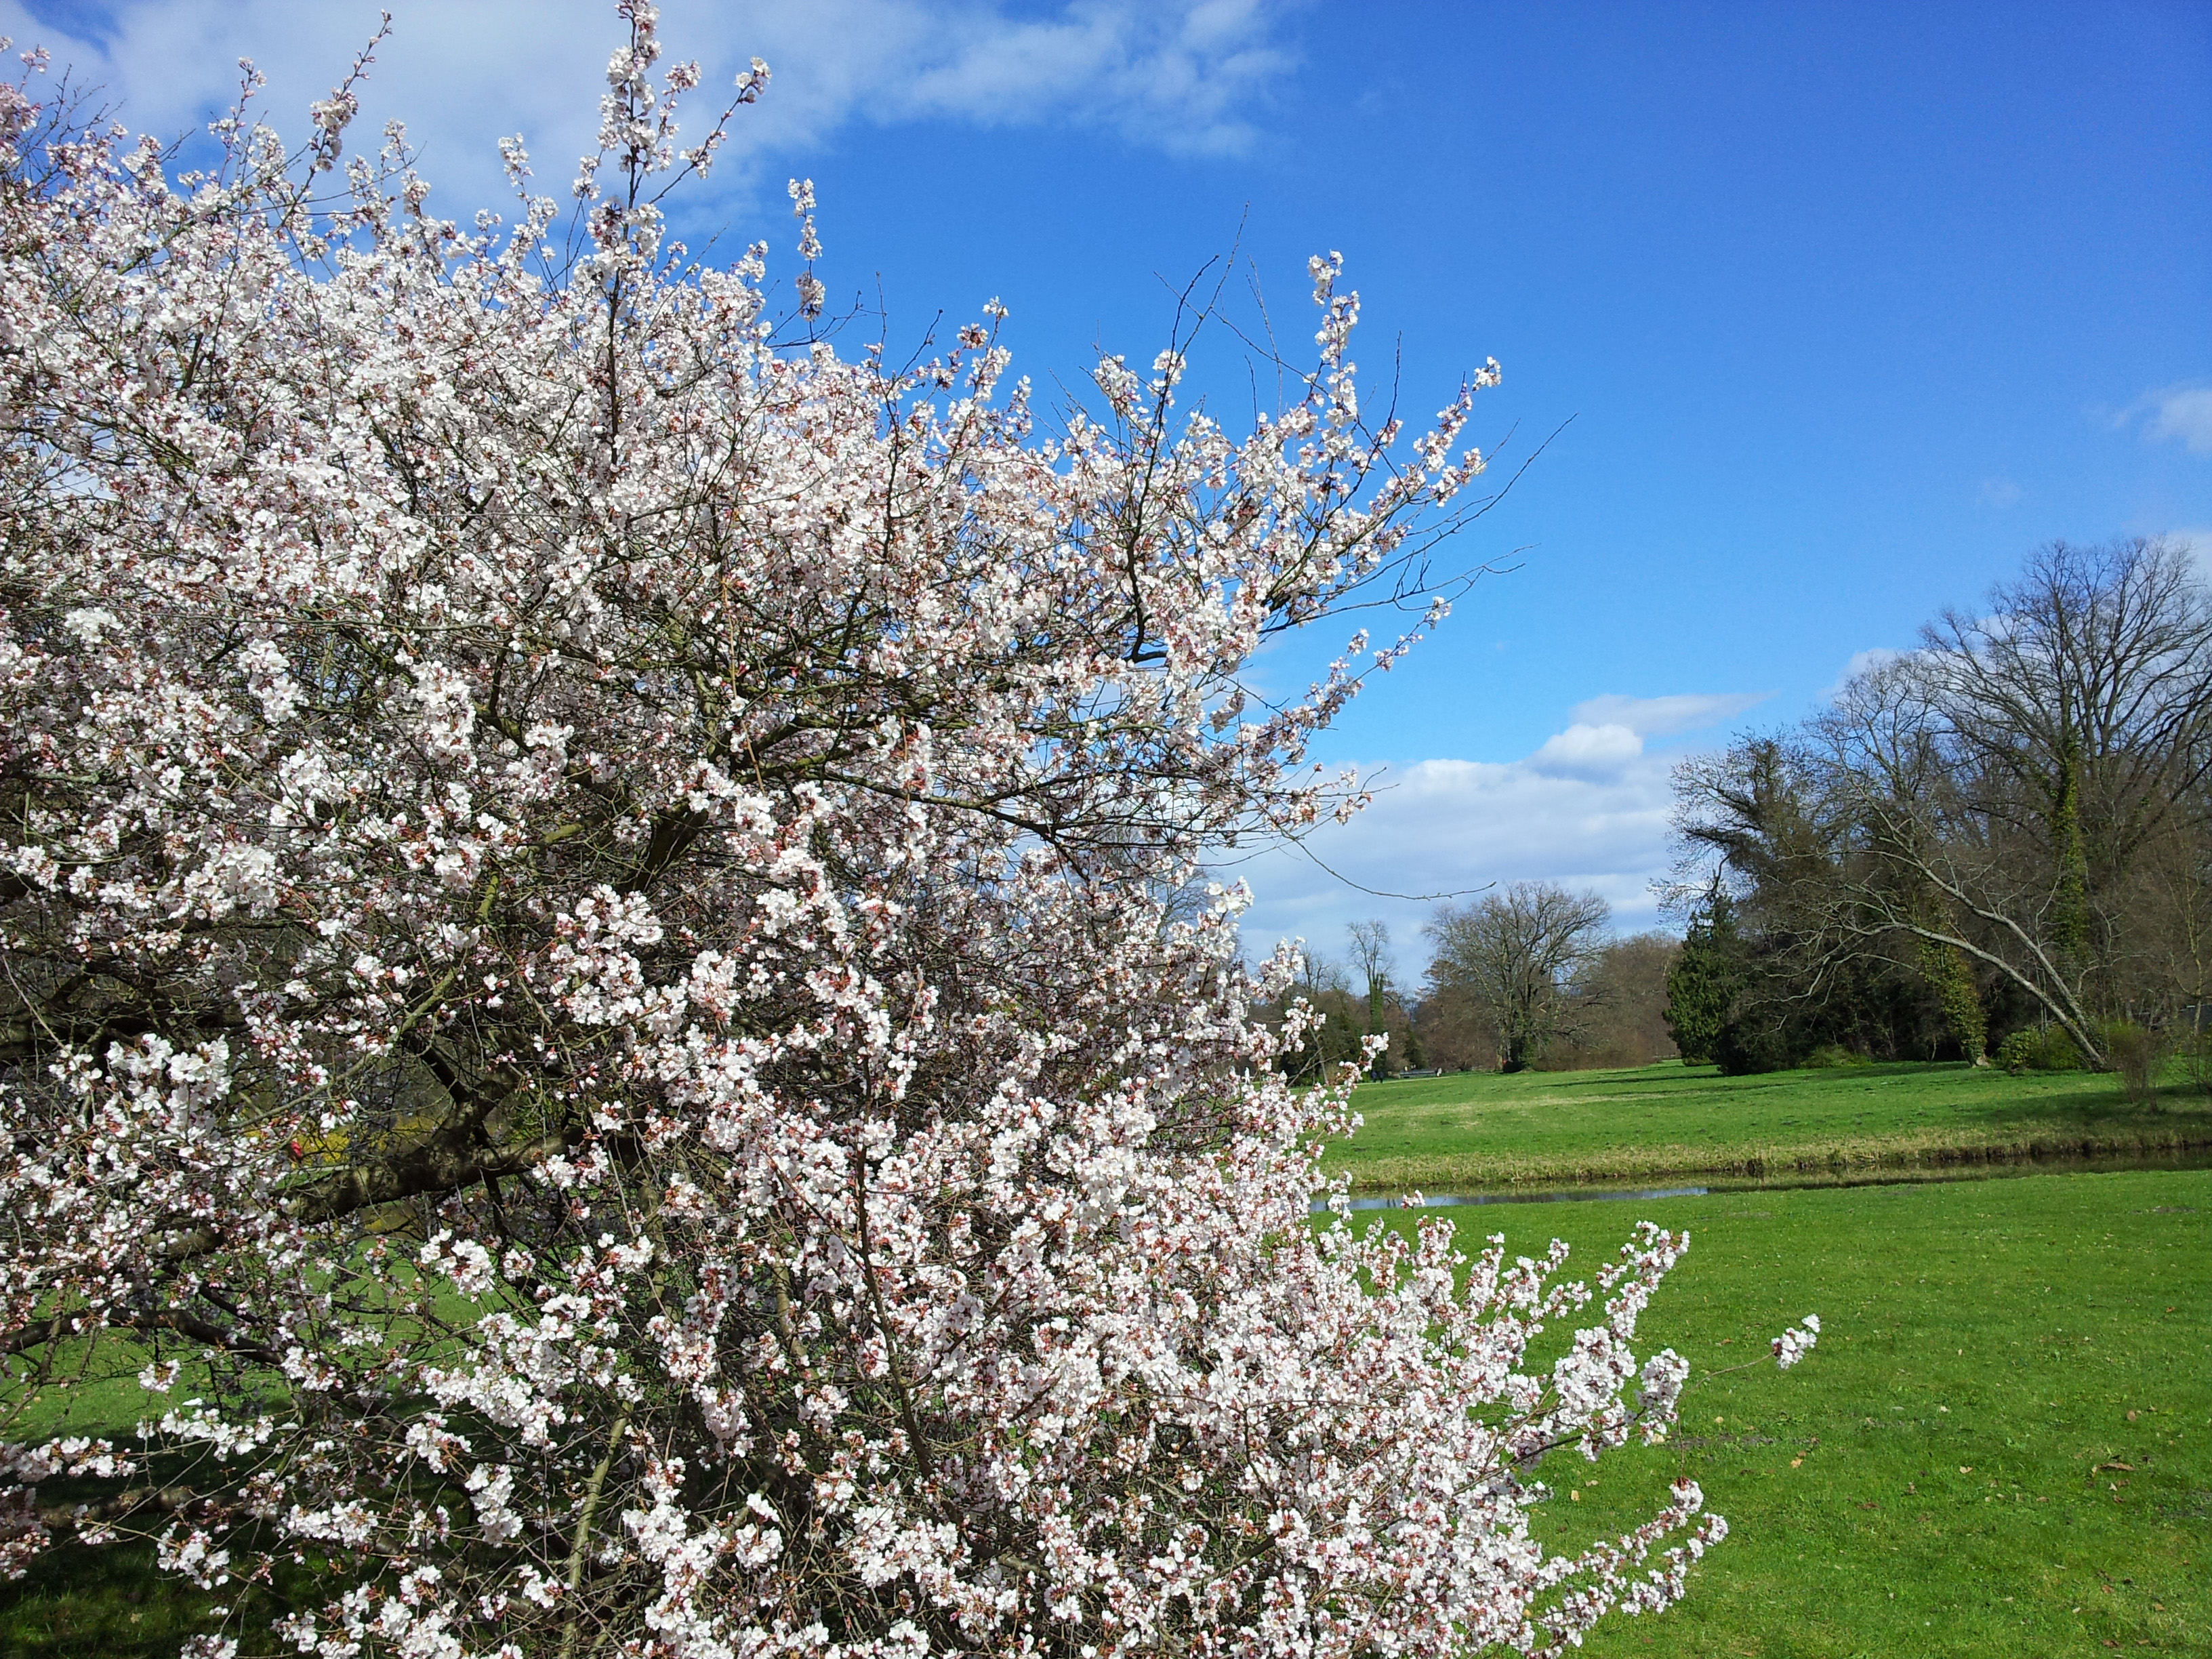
591,1013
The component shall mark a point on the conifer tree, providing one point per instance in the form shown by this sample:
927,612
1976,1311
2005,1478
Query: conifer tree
1702,986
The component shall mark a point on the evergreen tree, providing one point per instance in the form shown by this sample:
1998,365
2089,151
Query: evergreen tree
1702,986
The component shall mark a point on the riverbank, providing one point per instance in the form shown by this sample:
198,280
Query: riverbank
1672,1124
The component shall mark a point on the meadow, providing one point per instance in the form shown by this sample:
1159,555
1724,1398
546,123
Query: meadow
1482,1132
2003,1443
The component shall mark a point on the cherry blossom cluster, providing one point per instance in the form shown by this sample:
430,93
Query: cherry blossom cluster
1793,1345
601,1015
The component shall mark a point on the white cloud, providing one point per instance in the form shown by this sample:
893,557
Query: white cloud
1659,717
1587,751
2195,540
1175,76
1875,656
1444,827
2182,412
1998,493
1184,76
1587,809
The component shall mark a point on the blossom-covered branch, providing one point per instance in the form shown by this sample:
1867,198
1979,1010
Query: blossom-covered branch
591,1008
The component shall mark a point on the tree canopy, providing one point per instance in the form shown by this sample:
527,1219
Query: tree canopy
2006,825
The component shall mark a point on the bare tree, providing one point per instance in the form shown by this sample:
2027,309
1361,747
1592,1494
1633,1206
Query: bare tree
2083,704
1516,952
1370,956
1620,999
1322,983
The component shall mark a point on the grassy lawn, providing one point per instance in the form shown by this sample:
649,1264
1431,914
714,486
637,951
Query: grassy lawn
112,1602
107,1602
2002,1444
1480,1132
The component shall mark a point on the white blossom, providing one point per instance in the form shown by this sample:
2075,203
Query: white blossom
600,1027
1793,1345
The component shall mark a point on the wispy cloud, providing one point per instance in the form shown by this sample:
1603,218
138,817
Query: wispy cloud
1861,662
1185,76
2178,412
1444,827
1660,717
1998,493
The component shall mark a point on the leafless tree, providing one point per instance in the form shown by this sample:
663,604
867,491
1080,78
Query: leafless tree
1515,953
1323,983
1456,1031
2083,704
1370,957
1620,999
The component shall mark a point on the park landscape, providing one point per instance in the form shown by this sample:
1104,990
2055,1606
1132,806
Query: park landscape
630,1027
2003,1442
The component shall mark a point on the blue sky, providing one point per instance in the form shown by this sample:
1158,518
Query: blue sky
1849,306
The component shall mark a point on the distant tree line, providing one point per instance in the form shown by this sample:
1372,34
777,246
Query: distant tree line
1995,844
1525,977
1358,997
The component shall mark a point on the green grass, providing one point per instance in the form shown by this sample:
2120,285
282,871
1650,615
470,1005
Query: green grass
1955,1433
1941,1476
1481,1131
113,1602
109,1603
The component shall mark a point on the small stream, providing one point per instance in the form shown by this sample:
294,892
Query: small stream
2192,1158
1556,1195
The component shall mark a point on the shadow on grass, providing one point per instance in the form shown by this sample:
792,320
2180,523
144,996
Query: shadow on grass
113,1600
109,1601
